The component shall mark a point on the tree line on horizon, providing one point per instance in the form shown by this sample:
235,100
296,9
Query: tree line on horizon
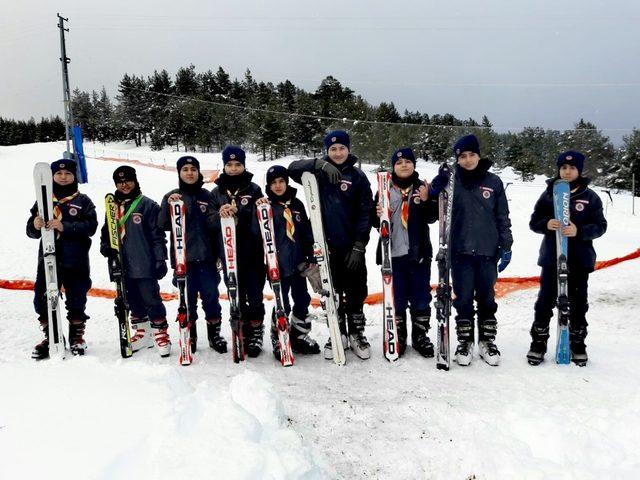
204,111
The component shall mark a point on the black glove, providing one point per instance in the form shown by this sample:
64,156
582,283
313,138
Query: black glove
161,269
440,181
355,258
330,170
108,252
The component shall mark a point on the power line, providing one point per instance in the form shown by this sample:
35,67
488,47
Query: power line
357,121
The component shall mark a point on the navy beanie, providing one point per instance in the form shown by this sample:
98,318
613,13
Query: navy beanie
64,164
277,171
403,153
231,152
337,136
124,173
187,160
571,157
468,143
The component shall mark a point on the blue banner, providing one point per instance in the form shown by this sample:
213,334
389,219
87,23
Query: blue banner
80,160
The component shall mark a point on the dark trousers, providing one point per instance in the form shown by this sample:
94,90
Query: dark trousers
143,296
474,278
350,285
297,285
578,300
251,278
203,278
76,283
411,286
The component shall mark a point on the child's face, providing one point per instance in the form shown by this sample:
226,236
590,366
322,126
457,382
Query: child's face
568,172
468,160
338,153
403,168
125,186
278,186
189,174
63,177
233,168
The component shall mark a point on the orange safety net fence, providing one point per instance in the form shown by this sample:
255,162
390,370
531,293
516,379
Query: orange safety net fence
210,176
504,286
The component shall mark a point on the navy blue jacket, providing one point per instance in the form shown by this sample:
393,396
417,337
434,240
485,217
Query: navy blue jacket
79,223
248,241
202,244
585,212
144,243
480,224
290,253
421,214
346,208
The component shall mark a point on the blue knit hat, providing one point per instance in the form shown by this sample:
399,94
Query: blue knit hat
403,153
64,164
231,152
277,171
124,173
187,160
468,143
571,157
337,136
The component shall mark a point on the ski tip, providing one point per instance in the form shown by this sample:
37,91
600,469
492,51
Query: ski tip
442,366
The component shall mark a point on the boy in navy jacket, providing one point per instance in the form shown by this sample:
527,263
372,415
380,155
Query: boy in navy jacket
201,247
480,235
235,196
294,241
345,195
414,205
74,223
587,223
144,255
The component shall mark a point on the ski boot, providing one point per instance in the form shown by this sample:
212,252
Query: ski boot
419,339
357,340
578,348
464,351
76,337
41,350
161,337
301,342
401,326
142,336
253,335
487,348
539,337
216,341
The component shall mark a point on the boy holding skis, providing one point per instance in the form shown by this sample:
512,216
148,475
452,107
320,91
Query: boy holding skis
235,196
201,249
345,195
74,221
294,242
480,236
414,205
587,223
144,254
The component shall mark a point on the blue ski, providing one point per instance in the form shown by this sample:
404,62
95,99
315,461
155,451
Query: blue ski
561,202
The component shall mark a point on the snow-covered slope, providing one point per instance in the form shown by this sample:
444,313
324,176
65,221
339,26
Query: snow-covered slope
146,417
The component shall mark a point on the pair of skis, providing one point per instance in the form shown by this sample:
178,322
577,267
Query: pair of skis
561,204
43,182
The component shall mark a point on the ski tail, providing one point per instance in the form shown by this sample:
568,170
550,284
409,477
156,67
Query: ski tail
43,182
328,299
561,207
116,274
390,345
228,226
177,210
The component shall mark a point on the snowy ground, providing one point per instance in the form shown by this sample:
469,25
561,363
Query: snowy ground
146,417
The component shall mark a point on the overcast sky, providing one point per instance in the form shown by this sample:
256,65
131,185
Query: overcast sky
538,62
